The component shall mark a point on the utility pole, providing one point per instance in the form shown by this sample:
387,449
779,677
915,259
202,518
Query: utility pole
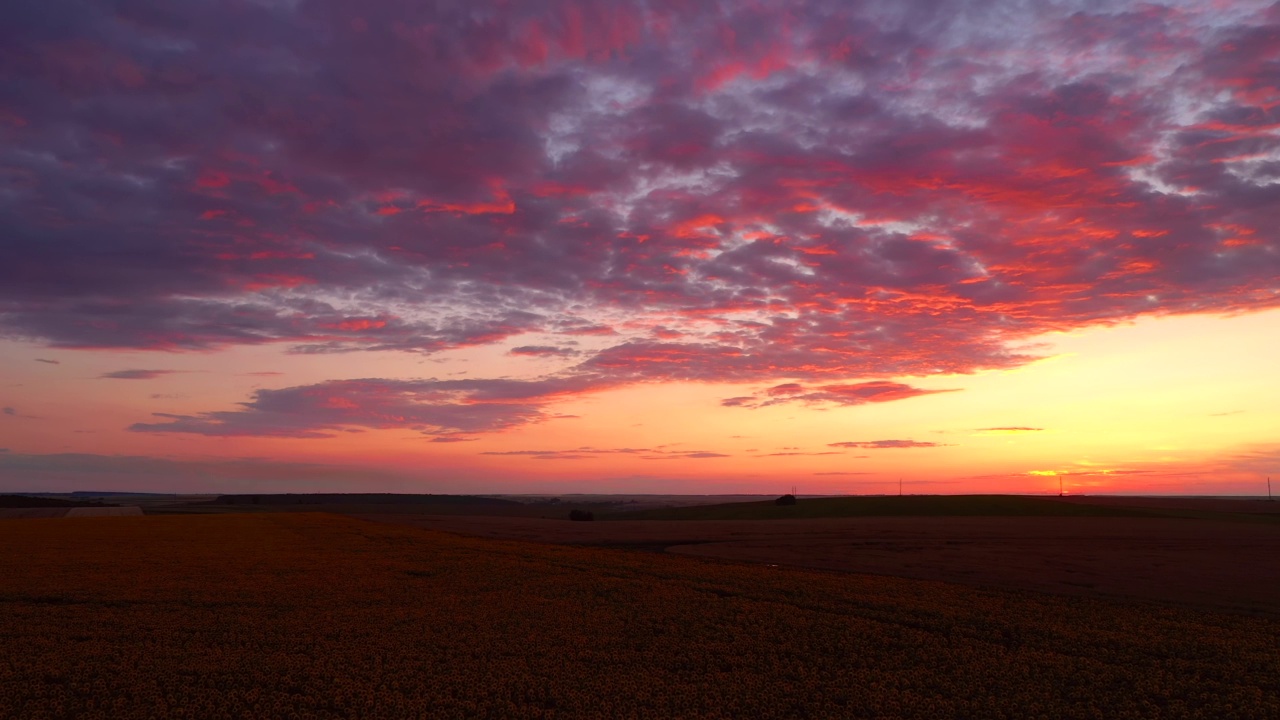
899,486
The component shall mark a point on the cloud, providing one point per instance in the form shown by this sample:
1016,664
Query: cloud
874,391
579,453
9,411
542,351
431,407
136,374
1088,473
884,444
67,472
530,453
694,455
884,190
542,454
590,452
1011,430
48,362
797,452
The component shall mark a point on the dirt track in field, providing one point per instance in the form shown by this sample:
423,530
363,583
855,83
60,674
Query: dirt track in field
1205,563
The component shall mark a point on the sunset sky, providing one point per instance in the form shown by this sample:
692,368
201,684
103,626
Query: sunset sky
665,246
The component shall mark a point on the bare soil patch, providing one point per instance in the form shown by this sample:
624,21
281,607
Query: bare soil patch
1204,563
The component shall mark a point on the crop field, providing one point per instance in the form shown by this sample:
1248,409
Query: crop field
1206,563
319,616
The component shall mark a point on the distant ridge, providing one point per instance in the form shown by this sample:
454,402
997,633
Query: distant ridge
113,493
887,506
29,501
359,499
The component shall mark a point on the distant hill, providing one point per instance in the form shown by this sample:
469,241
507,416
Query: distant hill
30,501
117,493
360,499
908,505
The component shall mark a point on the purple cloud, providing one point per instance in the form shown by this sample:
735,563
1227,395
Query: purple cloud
432,407
691,455
542,351
884,444
136,374
842,394
883,190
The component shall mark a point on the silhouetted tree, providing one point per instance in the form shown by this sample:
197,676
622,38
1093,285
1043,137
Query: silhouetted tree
787,499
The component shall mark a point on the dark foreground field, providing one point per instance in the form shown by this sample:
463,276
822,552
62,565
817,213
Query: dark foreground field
1208,564
1211,554
309,615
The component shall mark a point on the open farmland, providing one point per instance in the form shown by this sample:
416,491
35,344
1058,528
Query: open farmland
314,615
964,506
1223,556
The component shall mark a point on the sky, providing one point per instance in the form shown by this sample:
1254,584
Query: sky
640,247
